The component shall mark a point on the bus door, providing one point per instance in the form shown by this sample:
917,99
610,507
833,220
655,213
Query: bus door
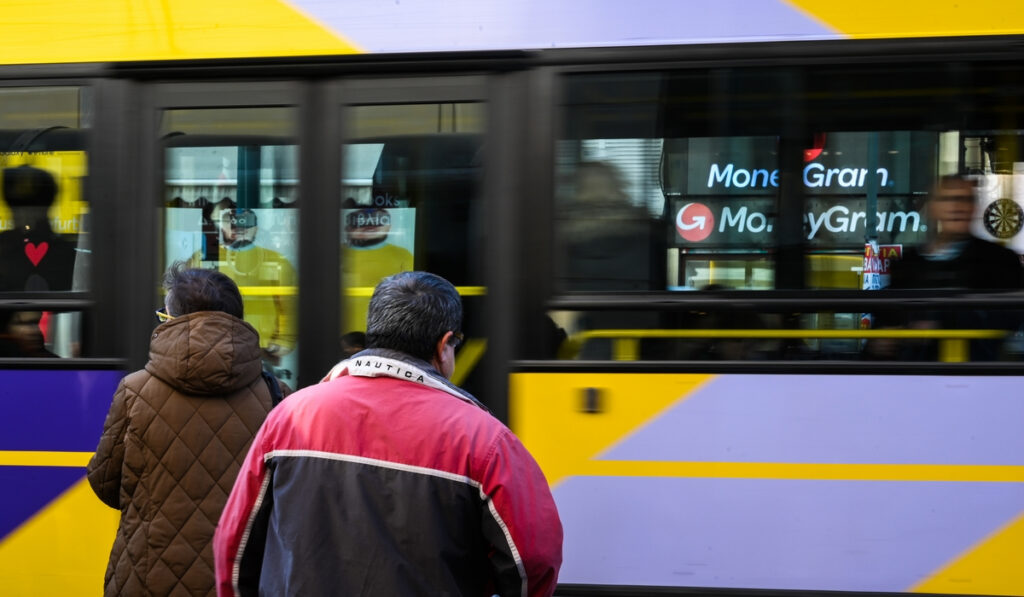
229,199
410,197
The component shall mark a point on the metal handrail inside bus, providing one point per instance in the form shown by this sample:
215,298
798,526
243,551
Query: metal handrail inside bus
353,291
953,344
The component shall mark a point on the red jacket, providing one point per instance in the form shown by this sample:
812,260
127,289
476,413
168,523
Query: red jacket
387,480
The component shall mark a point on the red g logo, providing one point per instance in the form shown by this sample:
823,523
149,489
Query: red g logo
694,222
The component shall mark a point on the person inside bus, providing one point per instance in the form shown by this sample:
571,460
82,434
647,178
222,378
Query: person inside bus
32,256
174,435
953,258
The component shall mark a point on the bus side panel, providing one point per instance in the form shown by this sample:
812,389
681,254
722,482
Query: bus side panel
816,482
55,534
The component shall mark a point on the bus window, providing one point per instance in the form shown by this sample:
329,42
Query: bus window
410,189
231,204
43,213
800,178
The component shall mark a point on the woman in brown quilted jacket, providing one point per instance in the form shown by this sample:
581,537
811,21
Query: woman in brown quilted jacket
175,435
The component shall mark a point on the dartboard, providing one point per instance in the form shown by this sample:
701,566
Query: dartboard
1003,218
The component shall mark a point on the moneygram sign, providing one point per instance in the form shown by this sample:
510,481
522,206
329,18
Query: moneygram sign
694,222
891,163
815,176
826,223
725,190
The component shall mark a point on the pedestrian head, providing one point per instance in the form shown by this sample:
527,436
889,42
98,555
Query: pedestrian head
192,289
412,312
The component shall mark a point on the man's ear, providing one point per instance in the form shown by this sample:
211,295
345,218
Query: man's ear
438,356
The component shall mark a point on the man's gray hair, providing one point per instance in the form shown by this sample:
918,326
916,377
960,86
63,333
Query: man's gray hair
411,311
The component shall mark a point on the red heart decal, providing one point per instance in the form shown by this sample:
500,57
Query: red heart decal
35,253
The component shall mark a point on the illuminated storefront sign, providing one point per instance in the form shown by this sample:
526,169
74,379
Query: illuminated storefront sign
857,186
815,176
844,163
825,222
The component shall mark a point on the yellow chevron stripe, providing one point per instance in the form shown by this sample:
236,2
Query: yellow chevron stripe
992,567
917,18
546,412
804,471
62,550
106,30
28,458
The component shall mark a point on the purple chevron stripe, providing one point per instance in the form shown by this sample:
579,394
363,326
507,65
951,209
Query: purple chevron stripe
780,534
29,489
421,25
54,410
838,419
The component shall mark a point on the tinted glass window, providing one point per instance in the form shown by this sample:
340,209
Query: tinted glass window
798,178
231,204
44,245
410,200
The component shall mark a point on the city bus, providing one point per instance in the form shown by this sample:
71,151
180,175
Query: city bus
677,228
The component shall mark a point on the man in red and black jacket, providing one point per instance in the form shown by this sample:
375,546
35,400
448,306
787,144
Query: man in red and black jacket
385,479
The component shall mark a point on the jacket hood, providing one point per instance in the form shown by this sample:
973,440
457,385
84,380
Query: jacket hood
205,353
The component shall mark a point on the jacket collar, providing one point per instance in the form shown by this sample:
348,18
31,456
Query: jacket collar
383,362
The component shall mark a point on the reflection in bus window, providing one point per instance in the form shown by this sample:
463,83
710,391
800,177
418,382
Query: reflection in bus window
611,240
22,334
33,257
231,205
818,186
410,199
43,215
378,242
410,185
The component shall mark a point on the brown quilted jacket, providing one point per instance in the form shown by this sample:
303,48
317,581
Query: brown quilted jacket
172,444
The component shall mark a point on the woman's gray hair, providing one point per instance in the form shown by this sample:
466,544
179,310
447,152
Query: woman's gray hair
192,289
411,311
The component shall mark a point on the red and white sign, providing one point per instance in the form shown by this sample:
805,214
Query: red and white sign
694,222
